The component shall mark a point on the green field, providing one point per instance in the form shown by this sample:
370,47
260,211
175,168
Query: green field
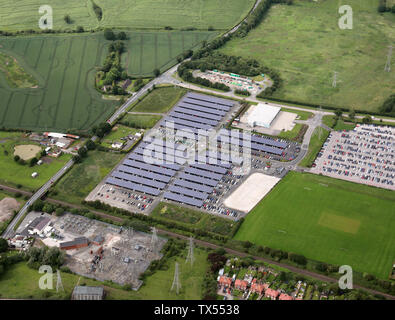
13,173
22,282
14,73
116,134
83,177
160,100
318,138
304,43
64,67
313,215
142,121
141,14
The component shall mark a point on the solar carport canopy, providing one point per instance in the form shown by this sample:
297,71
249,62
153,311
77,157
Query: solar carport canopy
183,199
133,186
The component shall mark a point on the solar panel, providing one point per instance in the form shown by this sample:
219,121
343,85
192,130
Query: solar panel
207,104
204,97
138,180
181,127
192,185
190,106
197,179
183,199
195,194
208,167
133,186
150,167
203,173
145,173
256,139
187,123
140,158
175,114
197,113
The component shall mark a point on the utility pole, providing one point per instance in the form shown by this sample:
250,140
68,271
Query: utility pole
389,56
190,256
176,281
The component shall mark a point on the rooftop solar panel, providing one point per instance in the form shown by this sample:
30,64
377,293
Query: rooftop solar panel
195,194
183,199
257,139
192,185
133,186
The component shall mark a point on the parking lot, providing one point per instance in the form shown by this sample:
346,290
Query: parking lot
364,155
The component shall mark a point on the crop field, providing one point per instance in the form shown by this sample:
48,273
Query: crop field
64,67
313,215
142,14
304,43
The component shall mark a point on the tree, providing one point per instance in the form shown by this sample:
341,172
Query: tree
156,72
77,158
67,19
90,145
3,245
16,158
59,212
32,162
338,112
82,152
367,119
80,29
109,34
351,115
122,36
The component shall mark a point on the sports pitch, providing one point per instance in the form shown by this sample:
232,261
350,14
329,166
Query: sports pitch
65,67
328,220
305,44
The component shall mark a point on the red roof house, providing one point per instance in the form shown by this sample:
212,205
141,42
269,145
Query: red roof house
225,281
241,284
258,288
284,296
272,294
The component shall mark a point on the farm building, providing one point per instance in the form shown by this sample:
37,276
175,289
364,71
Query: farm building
87,293
262,115
80,242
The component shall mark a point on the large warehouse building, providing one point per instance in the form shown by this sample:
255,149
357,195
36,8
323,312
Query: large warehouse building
262,115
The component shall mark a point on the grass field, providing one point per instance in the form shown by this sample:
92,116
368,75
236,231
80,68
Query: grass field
188,217
14,73
22,282
316,142
64,67
160,100
116,134
142,14
306,52
313,215
140,121
83,177
13,173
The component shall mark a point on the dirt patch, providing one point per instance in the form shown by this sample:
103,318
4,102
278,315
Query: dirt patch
7,206
26,151
47,159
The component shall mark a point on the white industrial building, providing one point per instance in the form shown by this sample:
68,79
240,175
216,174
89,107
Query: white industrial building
262,115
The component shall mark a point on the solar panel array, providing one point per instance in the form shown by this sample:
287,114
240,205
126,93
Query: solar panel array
257,143
150,167
197,112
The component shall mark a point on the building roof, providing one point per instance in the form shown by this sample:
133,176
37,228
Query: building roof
262,114
241,283
225,280
98,239
271,293
76,241
82,290
284,296
258,287
42,223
